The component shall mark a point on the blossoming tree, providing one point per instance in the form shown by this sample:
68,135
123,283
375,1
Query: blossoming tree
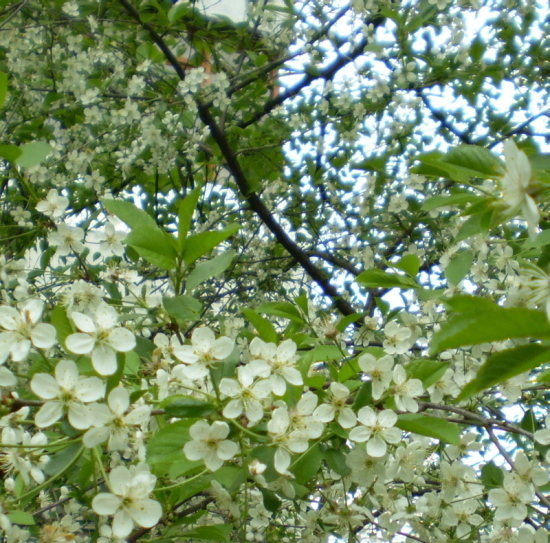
277,280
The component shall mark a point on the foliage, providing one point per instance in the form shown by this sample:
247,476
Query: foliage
282,279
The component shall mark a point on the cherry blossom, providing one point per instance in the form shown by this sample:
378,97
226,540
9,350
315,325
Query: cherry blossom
69,392
336,407
100,337
376,429
208,443
113,421
517,186
276,363
129,500
204,350
246,393
23,329
379,370
286,441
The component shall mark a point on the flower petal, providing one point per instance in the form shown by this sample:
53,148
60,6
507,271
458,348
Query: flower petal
105,503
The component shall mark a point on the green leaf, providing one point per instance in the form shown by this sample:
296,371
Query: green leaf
425,425
263,326
453,200
129,213
114,380
186,406
3,88
491,475
344,322
214,532
484,325
178,11
33,154
506,364
336,461
198,245
182,308
60,459
459,266
152,247
376,278
10,152
410,264
188,205
364,396
428,371
470,228
167,444
208,269
474,160
282,309
22,518
61,323
148,240
307,466
271,501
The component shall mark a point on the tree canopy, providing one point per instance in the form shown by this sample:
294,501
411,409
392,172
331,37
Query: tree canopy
281,279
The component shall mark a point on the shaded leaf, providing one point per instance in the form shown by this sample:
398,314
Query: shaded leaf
186,406
485,324
208,269
263,326
425,425
198,245
506,364
33,154
376,278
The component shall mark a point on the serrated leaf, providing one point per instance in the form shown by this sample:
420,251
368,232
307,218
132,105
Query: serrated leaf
208,269
32,154
459,266
198,245
186,406
425,425
263,326
506,364
376,278
182,307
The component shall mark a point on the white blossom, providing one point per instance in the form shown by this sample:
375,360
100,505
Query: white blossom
376,429
209,443
22,329
100,337
129,500
68,391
